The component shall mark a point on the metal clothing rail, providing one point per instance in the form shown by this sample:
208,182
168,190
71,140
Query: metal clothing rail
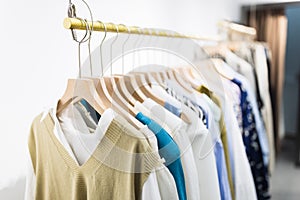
79,24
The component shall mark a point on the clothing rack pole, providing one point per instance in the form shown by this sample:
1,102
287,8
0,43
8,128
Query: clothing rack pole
234,27
79,24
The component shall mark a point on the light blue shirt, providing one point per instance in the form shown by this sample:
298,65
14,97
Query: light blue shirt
218,150
214,130
222,171
176,111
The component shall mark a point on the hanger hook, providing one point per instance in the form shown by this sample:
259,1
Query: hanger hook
89,45
101,57
79,47
90,11
111,47
123,46
72,13
91,29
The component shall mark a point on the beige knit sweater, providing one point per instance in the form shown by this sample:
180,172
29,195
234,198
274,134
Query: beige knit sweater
117,168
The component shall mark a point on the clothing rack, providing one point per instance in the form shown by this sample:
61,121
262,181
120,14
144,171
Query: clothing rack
79,24
237,28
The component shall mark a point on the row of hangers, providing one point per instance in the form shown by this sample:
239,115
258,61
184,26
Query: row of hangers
122,91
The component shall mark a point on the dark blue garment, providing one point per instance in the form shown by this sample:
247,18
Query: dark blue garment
93,113
168,150
253,148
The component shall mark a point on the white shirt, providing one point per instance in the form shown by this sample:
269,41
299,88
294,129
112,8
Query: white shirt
241,66
242,175
71,132
179,132
263,139
244,184
203,150
165,180
78,140
261,68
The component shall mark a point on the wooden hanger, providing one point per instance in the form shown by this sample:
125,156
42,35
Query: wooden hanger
118,105
180,81
106,89
122,85
182,116
156,77
80,89
117,96
169,74
102,92
215,50
163,75
192,73
132,87
145,88
186,75
123,89
218,64
118,101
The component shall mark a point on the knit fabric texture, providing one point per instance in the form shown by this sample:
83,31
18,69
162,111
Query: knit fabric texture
117,169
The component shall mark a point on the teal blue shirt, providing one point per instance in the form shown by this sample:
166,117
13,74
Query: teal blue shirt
168,150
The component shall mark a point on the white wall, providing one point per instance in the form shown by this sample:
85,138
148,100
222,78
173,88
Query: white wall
38,56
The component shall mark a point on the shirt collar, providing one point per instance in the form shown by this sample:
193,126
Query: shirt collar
169,119
102,126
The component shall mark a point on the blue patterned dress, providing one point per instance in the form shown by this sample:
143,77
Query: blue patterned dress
252,146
